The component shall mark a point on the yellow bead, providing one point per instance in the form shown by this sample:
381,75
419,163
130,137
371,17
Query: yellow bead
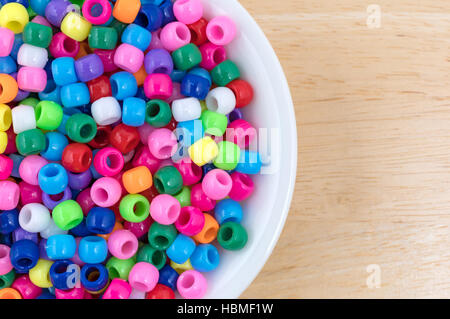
181,268
203,105
39,274
75,26
203,151
3,142
5,117
14,16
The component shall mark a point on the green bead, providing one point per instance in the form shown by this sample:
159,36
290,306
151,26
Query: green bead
78,2
232,236
31,13
31,142
103,38
158,113
120,268
160,236
225,72
119,26
151,255
168,180
81,128
184,196
214,123
186,57
6,280
48,115
134,208
67,214
37,34
228,156
30,101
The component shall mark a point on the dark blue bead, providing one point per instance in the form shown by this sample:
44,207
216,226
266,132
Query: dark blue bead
100,220
168,276
167,12
18,41
177,75
149,17
22,2
6,239
62,274
101,278
141,93
195,86
203,73
24,255
9,221
207,167
52,92
7,65
80,230
46,295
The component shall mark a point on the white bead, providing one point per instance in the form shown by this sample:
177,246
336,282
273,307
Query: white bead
221,100
186,109
106,111
34,217
51,230
23,118
137,294
29,55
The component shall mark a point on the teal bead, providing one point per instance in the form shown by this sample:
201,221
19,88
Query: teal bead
158,113
160,236
6,280
104,38
186,57
225,72
37,34
81,128
232,236
151,255
119,26
30,142
168,180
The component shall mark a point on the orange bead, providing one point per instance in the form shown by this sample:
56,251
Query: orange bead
140,76
126,11
8,88
117,226
137,179
84,50
9,293
209,231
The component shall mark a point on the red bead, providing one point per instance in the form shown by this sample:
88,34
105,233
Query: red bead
150,193
11,145
243,92
29,193
125,138
161,292
107,57
99,87
198,32
172,124
102,138
77,157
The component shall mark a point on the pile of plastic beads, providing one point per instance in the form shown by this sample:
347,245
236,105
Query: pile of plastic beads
124,154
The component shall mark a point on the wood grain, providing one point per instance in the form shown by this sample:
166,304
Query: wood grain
373,120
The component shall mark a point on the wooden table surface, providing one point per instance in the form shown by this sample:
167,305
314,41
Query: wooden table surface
373,120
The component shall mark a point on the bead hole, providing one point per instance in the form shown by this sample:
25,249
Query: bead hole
14,26
102,137
157,257
211,256
61,269
161,241
159,185
113,161
161,69
244,179
26,215
142,20
226,234
172,213
93,274
217,32
101,194
194,36
127,247
57,197
139,209
181,33
86,131
213,104
153,110
188,281
219,55
38,112
114,87
184,218
3,253
51,172
210,234
69,45
165,151
222,179
96,10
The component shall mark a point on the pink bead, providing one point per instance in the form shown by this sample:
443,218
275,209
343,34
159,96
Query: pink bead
166,162
29,168
143,276
122,244
191,221
106,191
165,209
241,133
176,93
217,184
107,57
221,30
243,186
103,17
5,261
31,79
174,35
128,58
188,11
162,143
41,20
85,200
200,200
74,293
6,41
190,172
26,288
108,161
192,285
6,167
144,131
139,229
145,158
63,46
76,258
212,55
156,41
29,193
117,289
10,195
158,86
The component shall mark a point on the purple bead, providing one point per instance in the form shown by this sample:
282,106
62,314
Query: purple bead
236,114
56,10
89,67
21,95
81,180
51,203
21,233
42,250
158,61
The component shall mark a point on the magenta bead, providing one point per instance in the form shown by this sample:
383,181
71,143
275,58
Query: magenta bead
104,15
144,157
5,261
165,209
217,184
156,41
26,288
188,11
143,276
41,20
139,229
190,172
29,193
200,200
174,35
191,221
74,293
29,168
111,155
192,285
6,41
221,30
63,46
85,201
122,244
241,133
158,86
106,191
129,58
242,188
10,195
118,289
212,55
76,258
31,79
6,167
162,143
107,57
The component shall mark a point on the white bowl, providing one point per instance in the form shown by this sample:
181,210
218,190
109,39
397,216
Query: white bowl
266,210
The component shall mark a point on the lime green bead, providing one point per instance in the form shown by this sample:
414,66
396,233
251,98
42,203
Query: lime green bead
120,268
37,34
158,113
67,214
103,38
81,128
134,208
151,255
160,236
228,156
119,26
6,280
48,115
186,57
78,2
225,72
214,123
168,180
31,13
184,196
31,101
31,142
232,236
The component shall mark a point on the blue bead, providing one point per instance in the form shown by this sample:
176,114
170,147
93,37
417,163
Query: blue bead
7,65
205,258
46,295
94,172
141,93
52,92
75,95
6,239
123,85
60,247
111,18
168,277
22,2
100,220
24,255
133,111
93,249
100,281
17,159
181,249
39,6
67,112
203,73
249,162
53,178
63,70
81,229
228,210
9,221
48,69
195,86
177,75
18,41
189,132
155,2
56,143
150,17
137,36
167,12
236,114
61,273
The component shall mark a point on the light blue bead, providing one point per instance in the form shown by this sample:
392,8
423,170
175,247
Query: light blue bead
39,6
133,111
7,65
60,247
63,70
189,132
93,249
56,142
53,178
249,163
205,258
75,95
155,2
67,112
123,85
52,92
137,36
181,249
228,210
